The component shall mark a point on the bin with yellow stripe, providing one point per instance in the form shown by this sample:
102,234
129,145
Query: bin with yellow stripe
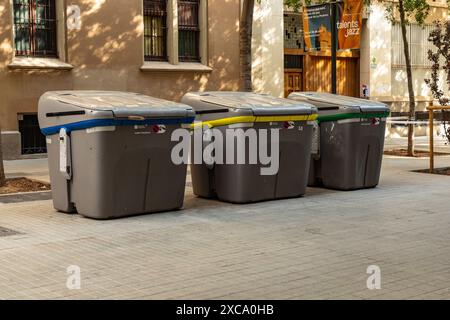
249,147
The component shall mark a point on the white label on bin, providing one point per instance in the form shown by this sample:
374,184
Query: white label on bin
160,129
49,140
289,125
101,129
154,129
240,125
349,120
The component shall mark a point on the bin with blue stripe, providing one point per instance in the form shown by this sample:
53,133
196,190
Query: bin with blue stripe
109,153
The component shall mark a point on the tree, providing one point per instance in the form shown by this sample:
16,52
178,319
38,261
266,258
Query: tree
440,38
245,34
408,11
2,170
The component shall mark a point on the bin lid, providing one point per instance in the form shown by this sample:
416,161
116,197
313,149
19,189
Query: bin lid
122,104
78,110
258,104
324,100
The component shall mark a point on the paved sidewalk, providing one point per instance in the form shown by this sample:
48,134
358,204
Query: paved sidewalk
318,246
421,144
30,168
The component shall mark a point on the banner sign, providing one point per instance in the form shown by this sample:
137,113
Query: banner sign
317,25
349,22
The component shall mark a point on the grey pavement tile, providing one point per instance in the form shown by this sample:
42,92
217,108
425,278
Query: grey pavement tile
315,247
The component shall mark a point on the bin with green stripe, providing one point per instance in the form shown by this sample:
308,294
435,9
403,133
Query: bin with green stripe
350,135
110,152
249,125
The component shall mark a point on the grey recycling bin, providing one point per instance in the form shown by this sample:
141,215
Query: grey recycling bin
351,135
243,120
109,153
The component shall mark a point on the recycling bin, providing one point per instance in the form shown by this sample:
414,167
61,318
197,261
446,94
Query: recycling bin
109,153
351,135
261,146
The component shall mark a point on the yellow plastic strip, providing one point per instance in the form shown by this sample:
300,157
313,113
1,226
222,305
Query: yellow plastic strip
252,119
224,121
286,118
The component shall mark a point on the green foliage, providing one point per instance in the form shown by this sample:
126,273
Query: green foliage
414,10
296,4
440,38
440,58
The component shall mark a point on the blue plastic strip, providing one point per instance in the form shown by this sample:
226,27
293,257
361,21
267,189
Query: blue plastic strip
82,125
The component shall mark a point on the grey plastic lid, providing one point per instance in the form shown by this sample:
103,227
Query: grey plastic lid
121,104
340,101
259,104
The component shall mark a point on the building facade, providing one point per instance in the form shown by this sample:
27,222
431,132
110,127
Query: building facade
162,48
165,48
383,67
378,67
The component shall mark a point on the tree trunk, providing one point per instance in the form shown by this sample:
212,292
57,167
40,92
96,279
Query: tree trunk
2,171
245,34
412,102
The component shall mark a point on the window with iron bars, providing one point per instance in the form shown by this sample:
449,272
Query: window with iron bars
188,31
33,141
155,30
35,28
418,45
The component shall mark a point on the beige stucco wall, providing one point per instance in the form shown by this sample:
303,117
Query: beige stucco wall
268,48
387,83
376,53
107,54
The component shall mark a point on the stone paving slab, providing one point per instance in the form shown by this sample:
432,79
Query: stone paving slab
30,168
25,197
315,247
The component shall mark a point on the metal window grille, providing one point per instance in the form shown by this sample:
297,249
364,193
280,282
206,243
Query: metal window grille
155,30
293,61
188,30
35,28
418,45
293,31
33,141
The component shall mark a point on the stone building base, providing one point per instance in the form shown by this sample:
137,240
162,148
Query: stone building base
11,145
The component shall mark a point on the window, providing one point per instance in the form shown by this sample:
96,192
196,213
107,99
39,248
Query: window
35,28
175,33
418,45
188,30
293,31
293,61
155,30
33,141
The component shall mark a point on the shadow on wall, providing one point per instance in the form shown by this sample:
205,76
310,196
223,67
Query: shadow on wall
107,54
266,71
108,51
6,47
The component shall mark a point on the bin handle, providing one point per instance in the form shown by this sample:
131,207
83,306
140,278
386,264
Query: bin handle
136,118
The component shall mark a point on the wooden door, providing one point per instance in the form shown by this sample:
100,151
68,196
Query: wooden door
318,75
292,82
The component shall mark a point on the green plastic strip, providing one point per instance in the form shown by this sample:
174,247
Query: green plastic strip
342,116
